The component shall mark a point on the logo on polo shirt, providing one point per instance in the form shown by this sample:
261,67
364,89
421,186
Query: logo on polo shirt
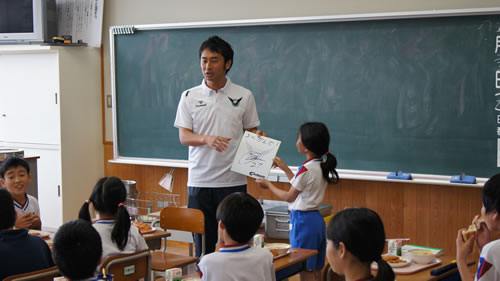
235,102
201,103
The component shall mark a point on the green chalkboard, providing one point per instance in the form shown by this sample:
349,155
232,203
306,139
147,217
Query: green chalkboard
416,95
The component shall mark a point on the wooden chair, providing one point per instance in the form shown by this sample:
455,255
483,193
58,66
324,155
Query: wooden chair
327,274
182,219
46,274
129,267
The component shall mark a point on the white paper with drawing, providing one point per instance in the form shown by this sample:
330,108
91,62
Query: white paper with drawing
255,155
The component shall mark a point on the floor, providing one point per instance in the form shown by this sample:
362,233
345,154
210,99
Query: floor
183,250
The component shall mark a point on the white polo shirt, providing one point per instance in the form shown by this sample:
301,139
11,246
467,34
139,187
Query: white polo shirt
225,113
311,184
31,206
241,263
135,240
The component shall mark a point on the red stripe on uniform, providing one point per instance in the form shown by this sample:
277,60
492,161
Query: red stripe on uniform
485,266
302,170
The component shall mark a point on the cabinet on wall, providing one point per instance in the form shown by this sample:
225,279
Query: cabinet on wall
51,107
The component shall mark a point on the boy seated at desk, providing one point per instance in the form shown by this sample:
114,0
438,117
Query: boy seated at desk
489,260
239,216
77,250
15,176
19,251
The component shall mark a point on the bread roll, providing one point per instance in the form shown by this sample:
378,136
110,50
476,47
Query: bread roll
466,234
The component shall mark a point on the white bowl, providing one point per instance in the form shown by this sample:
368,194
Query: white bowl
278,249
421,256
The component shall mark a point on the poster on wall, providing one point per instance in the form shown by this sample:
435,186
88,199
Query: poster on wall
82,19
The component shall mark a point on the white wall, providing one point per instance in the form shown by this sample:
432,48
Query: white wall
120,12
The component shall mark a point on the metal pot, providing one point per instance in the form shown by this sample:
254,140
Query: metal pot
130,186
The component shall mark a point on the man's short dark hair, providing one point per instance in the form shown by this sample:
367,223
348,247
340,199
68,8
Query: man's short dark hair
218,45
77,249
13,162
241,214
491,194
7,211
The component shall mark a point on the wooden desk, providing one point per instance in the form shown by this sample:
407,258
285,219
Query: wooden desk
425,275
293,263
154,239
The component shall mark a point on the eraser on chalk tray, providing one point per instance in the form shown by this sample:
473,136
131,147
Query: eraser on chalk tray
399,176
463,179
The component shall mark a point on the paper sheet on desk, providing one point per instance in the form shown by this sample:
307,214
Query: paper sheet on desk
254,156
81,19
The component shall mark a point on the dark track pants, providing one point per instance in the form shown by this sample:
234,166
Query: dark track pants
207,199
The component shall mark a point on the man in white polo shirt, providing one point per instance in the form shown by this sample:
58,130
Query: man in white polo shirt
211,119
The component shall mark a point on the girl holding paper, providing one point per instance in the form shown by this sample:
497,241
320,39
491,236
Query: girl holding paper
306,193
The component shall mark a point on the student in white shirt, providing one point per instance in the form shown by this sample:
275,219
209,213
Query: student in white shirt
489,260
15,177
239,216
118,235
306,193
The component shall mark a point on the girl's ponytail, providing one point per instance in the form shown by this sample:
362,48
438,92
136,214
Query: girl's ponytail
121,227
84,212
384,272
328,167
315,137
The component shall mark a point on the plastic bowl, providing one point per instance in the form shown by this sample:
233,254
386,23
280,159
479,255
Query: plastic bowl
278,249
421,256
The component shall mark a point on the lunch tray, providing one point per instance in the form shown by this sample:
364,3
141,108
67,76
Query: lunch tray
411,268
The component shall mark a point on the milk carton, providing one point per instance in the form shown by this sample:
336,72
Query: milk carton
394,247
173,274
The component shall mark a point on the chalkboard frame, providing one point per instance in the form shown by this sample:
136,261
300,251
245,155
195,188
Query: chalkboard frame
116,30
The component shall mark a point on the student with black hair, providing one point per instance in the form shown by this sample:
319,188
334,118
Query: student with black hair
15,177
489,261
118,235
306,193
77,250
211,119
355,239
19,251
239,216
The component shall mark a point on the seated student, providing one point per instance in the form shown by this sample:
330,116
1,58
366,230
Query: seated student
77,250
118,235
239,216
19,251
489,260
355,239
15,176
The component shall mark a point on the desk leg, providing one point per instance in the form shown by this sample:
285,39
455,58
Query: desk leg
154,244
290,271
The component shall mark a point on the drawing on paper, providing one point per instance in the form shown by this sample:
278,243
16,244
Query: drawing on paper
254,156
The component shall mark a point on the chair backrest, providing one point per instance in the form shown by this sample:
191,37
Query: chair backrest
183,219
46,274
128,267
